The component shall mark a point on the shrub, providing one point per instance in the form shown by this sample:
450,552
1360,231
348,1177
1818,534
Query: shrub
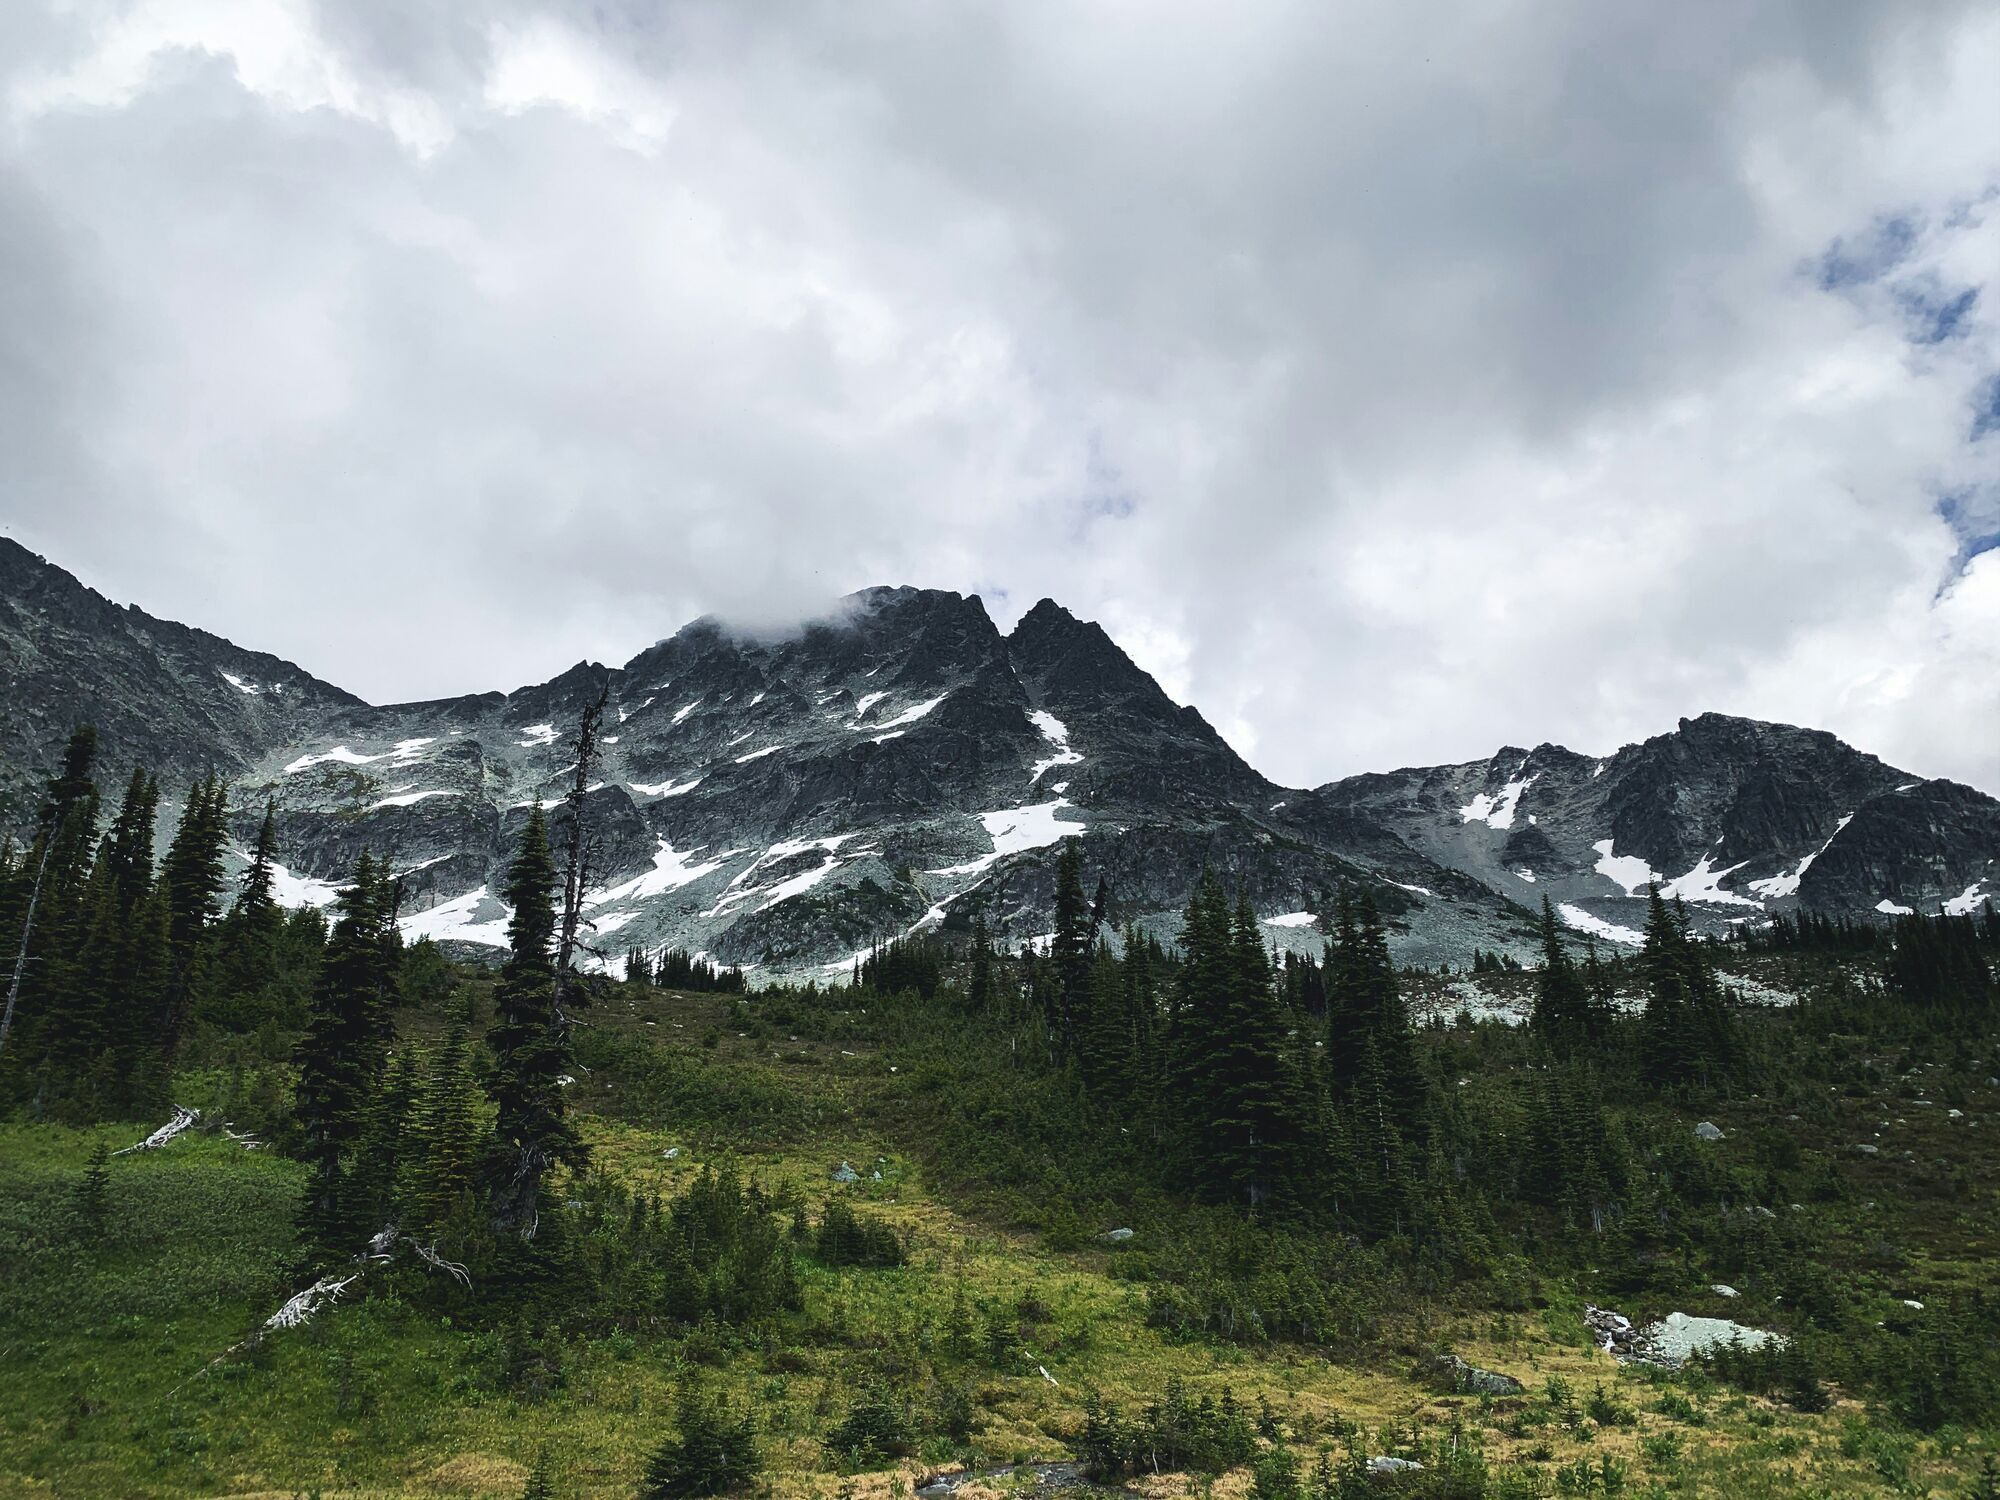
877,1427
846,1238
714,1454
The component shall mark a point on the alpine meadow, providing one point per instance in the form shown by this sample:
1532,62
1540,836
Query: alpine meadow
899,752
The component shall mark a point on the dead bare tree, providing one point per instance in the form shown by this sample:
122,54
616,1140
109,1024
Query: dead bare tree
27,934
581,849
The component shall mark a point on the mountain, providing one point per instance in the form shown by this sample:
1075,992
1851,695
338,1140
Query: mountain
783,801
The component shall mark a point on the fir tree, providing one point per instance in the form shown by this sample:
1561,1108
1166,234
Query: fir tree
1564,1012
1070,949
340,1061
60,860
1685,1035
441,1163
530,1046
191,876
979,983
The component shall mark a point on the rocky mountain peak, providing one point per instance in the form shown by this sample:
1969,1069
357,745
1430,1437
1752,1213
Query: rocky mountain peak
785,798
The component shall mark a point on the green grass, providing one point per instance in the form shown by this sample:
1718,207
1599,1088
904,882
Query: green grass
110,1382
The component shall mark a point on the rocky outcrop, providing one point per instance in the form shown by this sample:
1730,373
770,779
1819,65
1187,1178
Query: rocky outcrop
785,800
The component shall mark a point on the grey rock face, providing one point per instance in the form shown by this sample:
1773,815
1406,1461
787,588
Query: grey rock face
785,802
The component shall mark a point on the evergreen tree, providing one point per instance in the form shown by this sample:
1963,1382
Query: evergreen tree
191,876
530,1046
441,1163
51,912
1070,949
340,1061
1237,1087
1564,1011
1364,1009
244,978
1105,1052
714,1454
979,983
1685,1035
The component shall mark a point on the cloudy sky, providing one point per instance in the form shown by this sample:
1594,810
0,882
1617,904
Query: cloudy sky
1393,382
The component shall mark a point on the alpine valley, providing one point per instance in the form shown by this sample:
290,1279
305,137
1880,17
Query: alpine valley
782,803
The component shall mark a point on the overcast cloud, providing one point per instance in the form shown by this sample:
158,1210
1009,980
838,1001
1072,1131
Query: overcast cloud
1394,382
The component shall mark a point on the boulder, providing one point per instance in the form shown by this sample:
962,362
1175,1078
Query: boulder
1708,1130
845,1173
1678,1338
1386,1465
1461,1377
1118,1236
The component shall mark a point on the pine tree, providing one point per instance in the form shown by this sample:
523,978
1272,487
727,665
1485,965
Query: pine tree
340,1061
387,1138
979,984
441,1165
191,876
51,915
530,1047
1070,949
1105,1050
1563,1013
246,972
1685,1033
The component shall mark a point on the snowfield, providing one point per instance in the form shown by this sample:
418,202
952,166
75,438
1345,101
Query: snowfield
1583,921
1495,811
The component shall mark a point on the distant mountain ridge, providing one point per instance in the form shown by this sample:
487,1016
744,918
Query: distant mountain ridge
785,802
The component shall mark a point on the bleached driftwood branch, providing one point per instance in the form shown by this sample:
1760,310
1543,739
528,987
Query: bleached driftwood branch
183,1118
429,1256
300,1307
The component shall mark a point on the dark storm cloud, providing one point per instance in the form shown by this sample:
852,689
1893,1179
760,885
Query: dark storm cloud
1393,389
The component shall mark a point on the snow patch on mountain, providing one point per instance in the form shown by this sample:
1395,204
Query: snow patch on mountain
1057,734
1015,830
909,715
664,788
537,734
1495,811
625,713
240,685
1967,901
1786,883
292,890
401,755
741,889
405,797
758,754
1292,919
1628,872
671,870
1704,883
453,921
1583,921
1891,908
683,712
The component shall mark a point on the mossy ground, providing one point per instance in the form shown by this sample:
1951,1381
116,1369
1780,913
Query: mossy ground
110,1383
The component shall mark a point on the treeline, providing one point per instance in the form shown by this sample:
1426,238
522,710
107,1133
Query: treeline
112,958
677,969
1295,1086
